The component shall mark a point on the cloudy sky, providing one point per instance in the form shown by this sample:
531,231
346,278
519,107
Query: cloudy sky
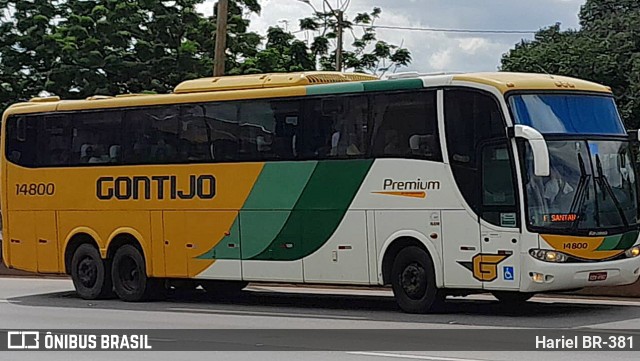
437,51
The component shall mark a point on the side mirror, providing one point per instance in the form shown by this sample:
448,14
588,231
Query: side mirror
634,135
538,147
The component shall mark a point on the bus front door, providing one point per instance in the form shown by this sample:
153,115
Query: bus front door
498,265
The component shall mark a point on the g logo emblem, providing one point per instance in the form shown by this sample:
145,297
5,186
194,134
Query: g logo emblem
485,266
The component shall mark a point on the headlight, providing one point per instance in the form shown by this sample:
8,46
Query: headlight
633,252
549,255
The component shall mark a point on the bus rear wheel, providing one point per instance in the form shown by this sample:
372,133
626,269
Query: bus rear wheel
90,273
129,276
414,281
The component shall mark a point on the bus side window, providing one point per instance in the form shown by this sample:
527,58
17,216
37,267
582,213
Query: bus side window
194,134
471,119
317,128
406,125
22,135
150,135
55,140
222,124
335,128
498,190
268,129
94,135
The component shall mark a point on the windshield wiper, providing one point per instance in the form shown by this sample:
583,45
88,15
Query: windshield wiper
606,187
581,192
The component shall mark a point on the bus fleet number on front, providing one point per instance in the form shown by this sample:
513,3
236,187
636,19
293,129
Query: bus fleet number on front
35,189
575,245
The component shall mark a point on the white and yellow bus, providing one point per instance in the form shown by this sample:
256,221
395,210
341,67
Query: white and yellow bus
507,183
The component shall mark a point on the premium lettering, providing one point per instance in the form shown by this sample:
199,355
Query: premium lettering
416,185
158,187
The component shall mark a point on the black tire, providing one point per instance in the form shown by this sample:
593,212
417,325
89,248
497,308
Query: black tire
129,275
90,273
512,298
216,288
414,281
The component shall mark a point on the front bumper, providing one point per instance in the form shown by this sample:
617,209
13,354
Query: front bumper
567,276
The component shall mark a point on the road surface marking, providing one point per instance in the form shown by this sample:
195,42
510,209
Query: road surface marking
259,313
414,357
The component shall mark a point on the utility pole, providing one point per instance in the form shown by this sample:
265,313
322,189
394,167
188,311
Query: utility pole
221,38
340,17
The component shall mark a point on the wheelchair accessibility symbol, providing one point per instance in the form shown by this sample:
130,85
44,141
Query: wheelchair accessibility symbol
508,273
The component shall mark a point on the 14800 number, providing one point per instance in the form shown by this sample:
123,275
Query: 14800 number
35,189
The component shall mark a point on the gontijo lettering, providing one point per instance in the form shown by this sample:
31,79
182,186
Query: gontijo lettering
159,187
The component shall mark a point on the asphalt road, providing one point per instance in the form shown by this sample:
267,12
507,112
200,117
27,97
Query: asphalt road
52,304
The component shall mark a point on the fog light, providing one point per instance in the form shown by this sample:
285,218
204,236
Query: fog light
537,277
633,252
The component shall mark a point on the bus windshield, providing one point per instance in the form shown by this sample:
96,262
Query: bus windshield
591,187
567,113
592,183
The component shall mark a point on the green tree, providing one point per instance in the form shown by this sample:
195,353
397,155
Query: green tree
363,52
27,48
605,50
77,48
367,52
283,52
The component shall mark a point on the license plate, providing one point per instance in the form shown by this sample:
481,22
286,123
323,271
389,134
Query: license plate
597,276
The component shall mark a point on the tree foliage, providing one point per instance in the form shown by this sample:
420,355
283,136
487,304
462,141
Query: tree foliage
367,53
606,49
364,52
77,48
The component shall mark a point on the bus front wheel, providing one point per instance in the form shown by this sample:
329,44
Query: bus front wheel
90,273
129,276
414,281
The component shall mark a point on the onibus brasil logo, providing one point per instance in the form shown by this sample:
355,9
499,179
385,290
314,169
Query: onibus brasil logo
414,188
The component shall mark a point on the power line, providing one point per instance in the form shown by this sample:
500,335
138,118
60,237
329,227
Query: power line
439,30
442,30
459,31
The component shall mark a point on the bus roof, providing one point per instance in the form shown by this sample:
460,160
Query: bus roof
306,83
506,82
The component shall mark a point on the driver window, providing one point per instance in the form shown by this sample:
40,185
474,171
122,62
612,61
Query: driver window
498,191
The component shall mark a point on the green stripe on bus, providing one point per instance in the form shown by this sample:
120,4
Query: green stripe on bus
222,250
619,242
319,210
337,88
609,243
267,208
390,85
279,185
628,240
259,228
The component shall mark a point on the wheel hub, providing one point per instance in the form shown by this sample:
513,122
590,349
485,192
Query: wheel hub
414,280
87,272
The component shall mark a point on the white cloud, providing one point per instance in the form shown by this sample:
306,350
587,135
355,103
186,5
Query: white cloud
437,51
